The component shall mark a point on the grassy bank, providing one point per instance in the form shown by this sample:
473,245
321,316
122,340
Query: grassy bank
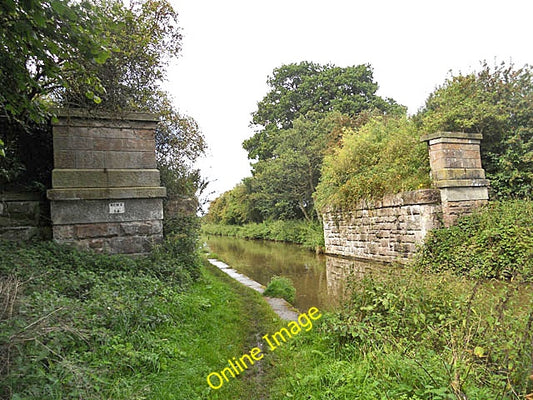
494,242
307,234
80,325
415,337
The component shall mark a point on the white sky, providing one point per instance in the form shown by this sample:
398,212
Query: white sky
230,47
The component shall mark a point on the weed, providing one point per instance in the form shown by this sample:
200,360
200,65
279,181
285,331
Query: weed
494,242
308,234
282,287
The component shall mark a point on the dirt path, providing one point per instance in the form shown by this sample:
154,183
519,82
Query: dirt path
259,321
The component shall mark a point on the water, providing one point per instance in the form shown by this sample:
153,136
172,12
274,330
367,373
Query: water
319,280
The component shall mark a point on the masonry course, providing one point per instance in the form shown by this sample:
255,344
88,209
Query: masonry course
106,194
391,228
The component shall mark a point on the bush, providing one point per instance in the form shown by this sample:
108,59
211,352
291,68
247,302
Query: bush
494,242
382,157
437,336
498,102
281,287
181,246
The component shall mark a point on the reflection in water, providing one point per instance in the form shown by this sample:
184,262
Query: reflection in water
339,271
319,280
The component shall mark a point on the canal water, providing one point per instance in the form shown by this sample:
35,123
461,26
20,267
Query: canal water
319,280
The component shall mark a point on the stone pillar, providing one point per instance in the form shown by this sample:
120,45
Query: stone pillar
456,170
106,192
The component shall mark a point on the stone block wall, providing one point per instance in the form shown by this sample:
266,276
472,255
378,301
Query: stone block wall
23,216
391,229
106,193
386,230
176,206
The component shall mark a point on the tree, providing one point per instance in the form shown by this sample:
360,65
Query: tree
299,120
122,72
41,43
142,37
297,89
284,185
234,207
497,102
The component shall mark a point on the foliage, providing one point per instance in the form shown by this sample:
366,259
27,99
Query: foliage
283,186
412,336
308,234
92,326
382,157
98,54
282,287
142,37
178,143
234,207
497,102
297,89
305,112
28,160
494,242
83,320
42,43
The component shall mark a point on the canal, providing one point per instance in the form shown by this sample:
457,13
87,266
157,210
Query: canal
319,280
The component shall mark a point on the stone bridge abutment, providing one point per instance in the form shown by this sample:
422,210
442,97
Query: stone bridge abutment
390,229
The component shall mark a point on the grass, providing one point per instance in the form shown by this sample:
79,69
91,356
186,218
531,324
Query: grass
220,320
280,286
308,234
80,325
415,337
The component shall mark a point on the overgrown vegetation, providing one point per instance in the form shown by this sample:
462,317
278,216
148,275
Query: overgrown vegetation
384,156
493,242
308,234
497,102
80,325
98,54
282,287
75,324
362,149
411,336
302,116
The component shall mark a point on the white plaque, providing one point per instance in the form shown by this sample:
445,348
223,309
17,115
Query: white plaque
116,208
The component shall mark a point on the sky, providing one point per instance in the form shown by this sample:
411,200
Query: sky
230,48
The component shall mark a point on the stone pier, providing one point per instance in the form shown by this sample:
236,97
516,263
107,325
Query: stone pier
456,170
106,193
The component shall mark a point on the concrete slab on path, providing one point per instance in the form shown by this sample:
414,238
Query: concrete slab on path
280,306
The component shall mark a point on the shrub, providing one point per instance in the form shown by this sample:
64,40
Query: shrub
498,102
494,242
382,157
471,339
282,287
